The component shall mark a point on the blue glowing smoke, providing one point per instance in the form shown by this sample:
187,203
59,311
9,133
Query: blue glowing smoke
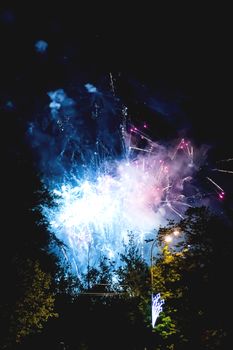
41,46
107,178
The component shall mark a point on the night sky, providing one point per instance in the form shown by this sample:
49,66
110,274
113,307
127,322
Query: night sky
171,68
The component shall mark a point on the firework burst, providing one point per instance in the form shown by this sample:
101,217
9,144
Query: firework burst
107,177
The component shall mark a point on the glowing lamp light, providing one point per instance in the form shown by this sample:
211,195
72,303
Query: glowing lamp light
168,238
176,233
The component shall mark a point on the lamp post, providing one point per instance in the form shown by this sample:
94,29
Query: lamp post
151,264
156,302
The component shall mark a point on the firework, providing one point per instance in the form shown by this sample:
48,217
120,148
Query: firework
107,177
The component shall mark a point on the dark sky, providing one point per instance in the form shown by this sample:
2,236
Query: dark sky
186,51
171,57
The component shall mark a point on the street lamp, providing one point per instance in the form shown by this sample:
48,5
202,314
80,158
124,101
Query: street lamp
151,263
168,238
156,302
176,232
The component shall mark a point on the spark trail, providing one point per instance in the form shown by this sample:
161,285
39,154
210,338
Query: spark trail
227,171
224,171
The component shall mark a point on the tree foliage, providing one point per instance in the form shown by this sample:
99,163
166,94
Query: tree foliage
34,304
192,274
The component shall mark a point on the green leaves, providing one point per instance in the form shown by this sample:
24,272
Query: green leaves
36,302
166,327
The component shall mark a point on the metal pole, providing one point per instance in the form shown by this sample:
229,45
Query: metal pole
151,274
88,266
151,265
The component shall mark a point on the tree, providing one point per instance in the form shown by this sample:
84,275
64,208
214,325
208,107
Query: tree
192,276
34,304
133,275
166,276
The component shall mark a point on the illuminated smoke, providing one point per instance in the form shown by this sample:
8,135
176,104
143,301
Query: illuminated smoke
41,46
90,88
